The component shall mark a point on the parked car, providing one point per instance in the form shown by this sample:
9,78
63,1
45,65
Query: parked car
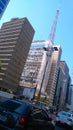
20,115
65,119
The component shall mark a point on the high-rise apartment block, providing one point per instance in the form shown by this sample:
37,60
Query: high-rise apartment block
3,5
15,41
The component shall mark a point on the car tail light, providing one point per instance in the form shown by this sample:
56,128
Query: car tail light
22,120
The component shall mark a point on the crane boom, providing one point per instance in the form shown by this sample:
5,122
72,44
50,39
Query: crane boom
53,29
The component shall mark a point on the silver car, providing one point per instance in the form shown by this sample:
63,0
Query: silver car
65,119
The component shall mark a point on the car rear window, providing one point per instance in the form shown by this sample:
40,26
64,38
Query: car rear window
10,105
16,106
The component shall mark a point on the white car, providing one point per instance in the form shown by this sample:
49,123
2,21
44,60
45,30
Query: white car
64,118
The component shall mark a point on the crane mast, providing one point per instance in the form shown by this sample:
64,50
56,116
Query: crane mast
53,29
46,60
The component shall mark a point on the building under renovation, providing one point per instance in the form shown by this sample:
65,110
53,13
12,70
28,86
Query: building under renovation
41,68
33,63
52,80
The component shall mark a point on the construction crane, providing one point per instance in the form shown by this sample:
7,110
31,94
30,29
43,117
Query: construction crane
48,50
53,29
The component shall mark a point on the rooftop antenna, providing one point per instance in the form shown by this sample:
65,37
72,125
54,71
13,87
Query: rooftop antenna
53,29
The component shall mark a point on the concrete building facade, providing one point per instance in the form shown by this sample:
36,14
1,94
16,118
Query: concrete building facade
43,62
15,41
51,86
37,67
66,83
33,64
62,86
59,89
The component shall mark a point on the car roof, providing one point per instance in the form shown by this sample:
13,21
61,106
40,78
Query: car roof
27,103
65,112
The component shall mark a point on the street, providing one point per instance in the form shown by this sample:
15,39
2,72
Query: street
60,128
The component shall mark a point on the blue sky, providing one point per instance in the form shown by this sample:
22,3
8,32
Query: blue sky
41,15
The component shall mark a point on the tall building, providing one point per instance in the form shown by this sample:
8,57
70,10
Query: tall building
51,86
66,85
64,66
62,86
68,89
15,41
33,63
41,68
34,69
59,91
3,5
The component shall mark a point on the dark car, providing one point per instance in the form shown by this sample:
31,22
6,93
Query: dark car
20,115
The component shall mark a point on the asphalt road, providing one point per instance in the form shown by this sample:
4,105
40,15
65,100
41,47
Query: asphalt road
60,128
